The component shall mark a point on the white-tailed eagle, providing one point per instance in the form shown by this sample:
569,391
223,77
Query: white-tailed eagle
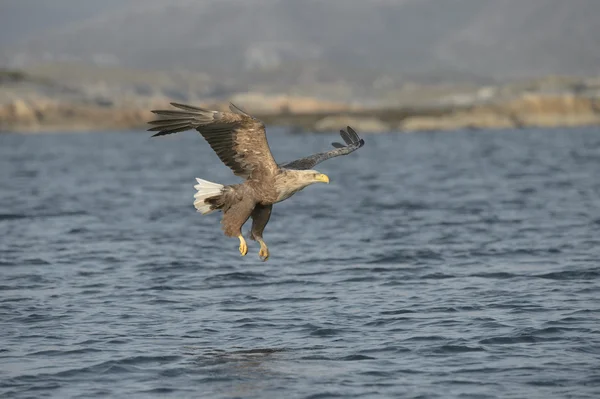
240,141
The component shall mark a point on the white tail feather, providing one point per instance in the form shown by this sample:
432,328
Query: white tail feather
206,190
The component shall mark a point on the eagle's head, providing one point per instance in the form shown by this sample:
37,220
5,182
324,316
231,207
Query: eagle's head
292,181
308,177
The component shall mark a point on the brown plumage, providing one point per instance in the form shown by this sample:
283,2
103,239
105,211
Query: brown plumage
240,141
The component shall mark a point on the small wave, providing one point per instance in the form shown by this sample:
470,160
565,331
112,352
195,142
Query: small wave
316,357
395,312
497,370
326,395
78,230
135,360
119,341
383,322
403,256
571,275
64,352
458,349
122,366
376,373
554,382
35,262
325,332
554,330
260,351
359,279
468,382
437,276
515,339
350,358
237,276
160,391
12,216
244,310
496,275
38,318
17,216
426,338
158,288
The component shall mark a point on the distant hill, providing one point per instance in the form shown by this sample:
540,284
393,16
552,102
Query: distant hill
305,42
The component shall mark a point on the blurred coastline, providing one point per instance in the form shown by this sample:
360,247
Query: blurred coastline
314,65
74,97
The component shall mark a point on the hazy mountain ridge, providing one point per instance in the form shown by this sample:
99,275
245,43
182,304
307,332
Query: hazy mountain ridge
529,38
233,40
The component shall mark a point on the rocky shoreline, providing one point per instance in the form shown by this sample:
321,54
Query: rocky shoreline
40,104
526,111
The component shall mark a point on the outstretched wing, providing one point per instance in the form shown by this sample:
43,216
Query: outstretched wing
353,143
239,140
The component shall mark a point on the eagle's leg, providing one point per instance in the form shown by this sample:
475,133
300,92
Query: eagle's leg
260,218
264,251
236,213
243,245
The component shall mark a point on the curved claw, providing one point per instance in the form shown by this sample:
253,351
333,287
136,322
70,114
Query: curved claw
243,246
264,251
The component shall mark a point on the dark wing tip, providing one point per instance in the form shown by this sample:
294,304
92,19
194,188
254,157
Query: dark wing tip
353,133
346,137
350,137
189,108
237,110
356,137
157,134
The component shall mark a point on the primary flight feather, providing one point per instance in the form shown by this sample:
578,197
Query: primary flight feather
240,141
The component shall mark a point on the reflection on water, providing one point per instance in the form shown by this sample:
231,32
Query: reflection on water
247,370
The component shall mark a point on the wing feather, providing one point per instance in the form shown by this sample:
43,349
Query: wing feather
239,140
353,143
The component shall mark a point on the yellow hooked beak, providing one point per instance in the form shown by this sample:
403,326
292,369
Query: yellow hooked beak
322,178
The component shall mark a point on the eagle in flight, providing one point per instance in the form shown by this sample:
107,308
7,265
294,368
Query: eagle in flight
240,141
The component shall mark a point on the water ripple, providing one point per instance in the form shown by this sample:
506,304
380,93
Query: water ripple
434,266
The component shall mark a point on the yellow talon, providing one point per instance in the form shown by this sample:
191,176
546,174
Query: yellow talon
243,246
264,251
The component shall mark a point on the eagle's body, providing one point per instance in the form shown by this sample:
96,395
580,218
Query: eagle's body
240,142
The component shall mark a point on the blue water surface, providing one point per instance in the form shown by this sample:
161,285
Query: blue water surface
435,265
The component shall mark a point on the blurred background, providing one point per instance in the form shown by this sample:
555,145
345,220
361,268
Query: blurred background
379,65
436,264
